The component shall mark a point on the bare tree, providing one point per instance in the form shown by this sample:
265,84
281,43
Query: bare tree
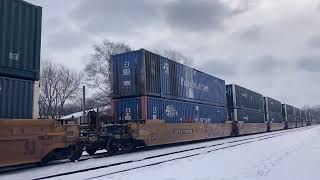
70,108
58,84
99,68
177,56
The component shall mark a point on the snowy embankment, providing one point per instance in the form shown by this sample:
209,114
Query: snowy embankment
287,156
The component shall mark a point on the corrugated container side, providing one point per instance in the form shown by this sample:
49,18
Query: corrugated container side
287,110
136,73
152,65
247,116
184,83
20,39
168,81
272,105
142,73
128,109
274,117
127,74
242,98
303,113
297,112
172,111
16,98
291,119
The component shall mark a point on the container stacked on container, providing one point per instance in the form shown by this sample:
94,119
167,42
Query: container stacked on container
244,105
308,117
20,41
297,116
288,115
148,86
303,117
273,110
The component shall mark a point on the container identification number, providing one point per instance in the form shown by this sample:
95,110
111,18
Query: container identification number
183,131
14,56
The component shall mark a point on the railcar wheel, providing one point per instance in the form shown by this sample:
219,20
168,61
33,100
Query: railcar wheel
91,150
44,161
111,148
76,153
127,146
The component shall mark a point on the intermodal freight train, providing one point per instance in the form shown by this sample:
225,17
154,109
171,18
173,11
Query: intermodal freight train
156,101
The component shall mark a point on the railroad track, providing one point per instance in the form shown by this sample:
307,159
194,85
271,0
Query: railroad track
171,156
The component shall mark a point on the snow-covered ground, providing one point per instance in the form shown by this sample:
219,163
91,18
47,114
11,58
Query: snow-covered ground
294,155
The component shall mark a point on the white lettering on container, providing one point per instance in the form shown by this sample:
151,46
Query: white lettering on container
126,83
126,72
14,56
171,111
154,113
127,114
193,85
166,68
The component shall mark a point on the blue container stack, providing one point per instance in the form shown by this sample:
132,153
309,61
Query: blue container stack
148,86
244,105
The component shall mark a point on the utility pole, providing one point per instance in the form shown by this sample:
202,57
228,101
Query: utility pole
84,119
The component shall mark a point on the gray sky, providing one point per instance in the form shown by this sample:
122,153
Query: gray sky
270,46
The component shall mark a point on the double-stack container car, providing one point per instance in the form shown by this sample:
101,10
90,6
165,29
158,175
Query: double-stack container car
273,114
143,73
24,138
20,42
297,115
303,117
313,117
288,115
176,103
246,108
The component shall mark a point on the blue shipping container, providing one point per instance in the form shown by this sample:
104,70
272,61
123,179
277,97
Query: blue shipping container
142,73
16,98
172,111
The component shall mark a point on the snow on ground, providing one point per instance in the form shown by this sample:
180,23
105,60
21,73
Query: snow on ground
294,155
136,156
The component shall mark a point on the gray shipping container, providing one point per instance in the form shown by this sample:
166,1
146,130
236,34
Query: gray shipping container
297,114
287,110
272,105
20,39
241,98
16,98
247,116
274,117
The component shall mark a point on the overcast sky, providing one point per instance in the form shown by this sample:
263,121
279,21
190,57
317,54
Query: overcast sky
270,46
